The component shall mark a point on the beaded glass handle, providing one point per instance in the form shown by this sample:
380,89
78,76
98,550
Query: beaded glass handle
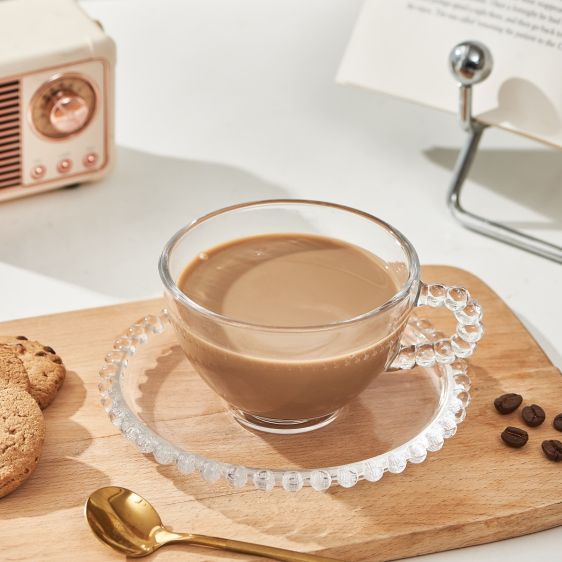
445,350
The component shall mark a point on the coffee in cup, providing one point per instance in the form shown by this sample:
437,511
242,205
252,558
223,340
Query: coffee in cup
289,323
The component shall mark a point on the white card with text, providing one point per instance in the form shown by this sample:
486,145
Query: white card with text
401,47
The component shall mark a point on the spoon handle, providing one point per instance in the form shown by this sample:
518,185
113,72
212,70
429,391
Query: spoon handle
250,548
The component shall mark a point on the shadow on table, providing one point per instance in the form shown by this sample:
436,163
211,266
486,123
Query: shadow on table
107,236
369,514
60,479
529,177
373,517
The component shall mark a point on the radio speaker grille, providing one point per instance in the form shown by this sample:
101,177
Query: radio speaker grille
10,147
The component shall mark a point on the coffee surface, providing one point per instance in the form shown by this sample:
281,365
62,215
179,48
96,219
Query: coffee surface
288,280
297,281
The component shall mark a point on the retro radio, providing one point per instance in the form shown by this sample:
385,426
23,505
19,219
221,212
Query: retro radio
56,96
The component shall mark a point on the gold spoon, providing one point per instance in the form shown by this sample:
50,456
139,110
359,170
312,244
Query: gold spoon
127,523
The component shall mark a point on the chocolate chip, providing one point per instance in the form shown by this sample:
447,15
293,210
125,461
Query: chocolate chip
40,354
507,403
514,437
552,448
533,415
49,349
21,338
557,423
57,360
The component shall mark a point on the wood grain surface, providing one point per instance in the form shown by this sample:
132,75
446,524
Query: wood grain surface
474,490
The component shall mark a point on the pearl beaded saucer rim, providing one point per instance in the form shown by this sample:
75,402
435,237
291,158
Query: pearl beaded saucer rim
451,412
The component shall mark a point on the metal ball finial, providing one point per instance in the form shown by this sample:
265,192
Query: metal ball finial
470,62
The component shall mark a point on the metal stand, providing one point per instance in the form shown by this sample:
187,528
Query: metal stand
471,63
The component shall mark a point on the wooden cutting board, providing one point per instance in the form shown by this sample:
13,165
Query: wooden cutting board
474,490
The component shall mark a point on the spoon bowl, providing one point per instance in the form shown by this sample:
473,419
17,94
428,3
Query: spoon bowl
123,520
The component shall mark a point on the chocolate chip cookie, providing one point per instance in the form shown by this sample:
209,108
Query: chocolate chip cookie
22,432
12,370
44,367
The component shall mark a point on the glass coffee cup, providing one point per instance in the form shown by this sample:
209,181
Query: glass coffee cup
294,378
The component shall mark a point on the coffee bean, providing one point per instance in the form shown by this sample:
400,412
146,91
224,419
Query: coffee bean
557,423
514,437
507,403
533,415
552,448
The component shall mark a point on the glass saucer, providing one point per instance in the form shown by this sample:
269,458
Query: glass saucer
158,401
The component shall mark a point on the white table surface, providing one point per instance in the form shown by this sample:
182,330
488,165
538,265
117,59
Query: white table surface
220,102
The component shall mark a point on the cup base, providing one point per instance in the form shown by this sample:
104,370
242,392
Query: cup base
283,427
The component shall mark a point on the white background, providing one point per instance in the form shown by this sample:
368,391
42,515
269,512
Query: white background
221,101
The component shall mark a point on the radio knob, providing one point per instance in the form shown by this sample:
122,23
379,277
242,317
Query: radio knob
68,112
63,106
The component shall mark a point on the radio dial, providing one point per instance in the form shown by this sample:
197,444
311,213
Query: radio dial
63,106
